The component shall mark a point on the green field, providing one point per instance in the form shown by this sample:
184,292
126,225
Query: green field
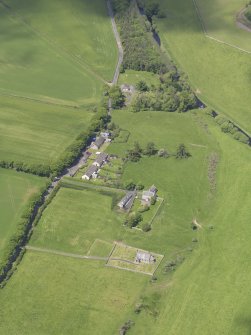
219,17
15,191
56,295
214,283
132,77
37,133
65,59
218,73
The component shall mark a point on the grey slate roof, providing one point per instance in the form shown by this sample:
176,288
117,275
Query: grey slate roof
153,189
126,199
102,157
99,141
92,169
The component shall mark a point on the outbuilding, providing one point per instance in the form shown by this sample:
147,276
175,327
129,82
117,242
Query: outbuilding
92,172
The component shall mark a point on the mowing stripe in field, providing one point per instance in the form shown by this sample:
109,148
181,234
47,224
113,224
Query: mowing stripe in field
65,254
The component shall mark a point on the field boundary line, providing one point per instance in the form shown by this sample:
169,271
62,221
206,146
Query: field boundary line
157,211
206,34
42,101
126,269
65,254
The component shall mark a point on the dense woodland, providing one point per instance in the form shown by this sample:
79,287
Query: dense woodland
142,53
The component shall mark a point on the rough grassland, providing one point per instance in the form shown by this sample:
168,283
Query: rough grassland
37,133
48,60
58,295
219,73
15,191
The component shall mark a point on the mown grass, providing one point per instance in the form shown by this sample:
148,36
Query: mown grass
63,59
219,74
131,77
37,133
15,191
59,295
82,30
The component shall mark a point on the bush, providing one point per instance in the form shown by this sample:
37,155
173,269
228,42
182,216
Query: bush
239,136
143,209
146,227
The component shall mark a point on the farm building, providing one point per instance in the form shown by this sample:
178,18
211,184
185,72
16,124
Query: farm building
127,200
92,172
149,194
101,159
105,134
98,143
126,88
144,257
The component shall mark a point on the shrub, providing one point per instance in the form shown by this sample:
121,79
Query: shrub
182,152
146,227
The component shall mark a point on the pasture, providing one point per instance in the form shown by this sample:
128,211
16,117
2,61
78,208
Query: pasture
210,292
32,132
61,60
219,17
59,295
15,191
218,73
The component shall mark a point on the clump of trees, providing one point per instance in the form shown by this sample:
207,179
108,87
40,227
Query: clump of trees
229,127
182,152
116,96
133,219
170,95
134,154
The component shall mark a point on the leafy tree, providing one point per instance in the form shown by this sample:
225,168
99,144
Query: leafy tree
182,152
146,227
142,86
150,149
117,97
133,219
134,154
130,186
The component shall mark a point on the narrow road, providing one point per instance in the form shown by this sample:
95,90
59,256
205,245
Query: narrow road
118,41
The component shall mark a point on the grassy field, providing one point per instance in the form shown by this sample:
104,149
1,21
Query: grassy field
15,191
82,30
75,219
132,77
220,74
59,295
64,59
37,133
219,17
210,293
